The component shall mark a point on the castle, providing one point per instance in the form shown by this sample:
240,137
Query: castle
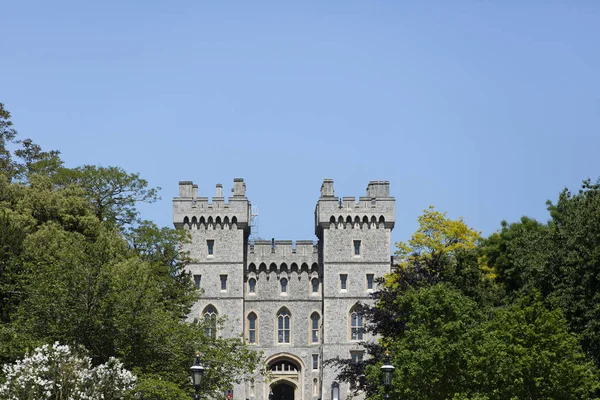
295,303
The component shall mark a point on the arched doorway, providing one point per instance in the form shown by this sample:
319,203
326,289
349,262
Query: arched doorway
286,373
283,391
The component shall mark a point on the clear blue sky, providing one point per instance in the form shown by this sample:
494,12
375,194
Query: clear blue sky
484,109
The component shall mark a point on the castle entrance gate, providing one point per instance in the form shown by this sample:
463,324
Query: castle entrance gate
286,377
283,391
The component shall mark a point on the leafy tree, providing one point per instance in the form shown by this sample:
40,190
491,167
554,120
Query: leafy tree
7,135
441,315
112,191
76,266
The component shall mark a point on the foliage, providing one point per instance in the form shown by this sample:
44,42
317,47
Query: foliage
112,191
76,266
59,372
452,334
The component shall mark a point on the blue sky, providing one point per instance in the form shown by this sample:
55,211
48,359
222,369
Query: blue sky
485,109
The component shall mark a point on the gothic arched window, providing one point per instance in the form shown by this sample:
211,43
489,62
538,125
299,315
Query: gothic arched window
314,328
356,326
252,329
283,326
210,318
252,285
284,283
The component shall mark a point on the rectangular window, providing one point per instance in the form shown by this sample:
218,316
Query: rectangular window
357,356
343,281
369,281
197,279
315,361
223,282
357,247
210,244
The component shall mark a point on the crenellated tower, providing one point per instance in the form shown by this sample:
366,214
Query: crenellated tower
354,247
219,232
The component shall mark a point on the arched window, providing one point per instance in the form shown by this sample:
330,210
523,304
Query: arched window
252,285
210,318
315,285
314,328
252,330
283,326
356,326
284,283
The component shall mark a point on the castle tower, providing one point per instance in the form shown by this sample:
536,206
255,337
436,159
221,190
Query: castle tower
219,232
354,246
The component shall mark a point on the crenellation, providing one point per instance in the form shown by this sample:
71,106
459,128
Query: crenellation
315,285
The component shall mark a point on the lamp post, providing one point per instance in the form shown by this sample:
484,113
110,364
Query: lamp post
197,370
387,371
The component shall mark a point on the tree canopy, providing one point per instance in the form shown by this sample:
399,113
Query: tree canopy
471,318
78,266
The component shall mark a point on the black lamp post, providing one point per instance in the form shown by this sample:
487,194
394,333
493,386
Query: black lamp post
387,371
197,370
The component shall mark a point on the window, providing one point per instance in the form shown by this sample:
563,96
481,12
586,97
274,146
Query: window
210,318
210,244
284,283
314,328
315,285
252,328
369,281
252,285
356,326
343,281
197,279
357,356
315,359
223,283
283,327
357,247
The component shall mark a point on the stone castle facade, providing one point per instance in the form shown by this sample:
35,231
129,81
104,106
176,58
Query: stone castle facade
295,303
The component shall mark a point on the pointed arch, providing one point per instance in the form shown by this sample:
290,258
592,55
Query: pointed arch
226,222
356,323
252,267
314,268
203,222
315,323
194,222
210,221
284,325
252,328
186,223
357,222
349,220
210,314
381,221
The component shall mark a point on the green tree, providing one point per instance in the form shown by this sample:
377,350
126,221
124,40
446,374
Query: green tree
112,191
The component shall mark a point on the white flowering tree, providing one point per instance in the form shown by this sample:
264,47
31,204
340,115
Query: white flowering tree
57,372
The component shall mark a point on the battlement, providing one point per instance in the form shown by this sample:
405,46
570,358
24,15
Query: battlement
373,211
193,212
281,256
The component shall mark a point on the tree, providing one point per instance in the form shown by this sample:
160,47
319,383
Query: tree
451,335
60,372
112,191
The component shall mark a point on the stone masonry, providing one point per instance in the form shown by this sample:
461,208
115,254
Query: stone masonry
292,302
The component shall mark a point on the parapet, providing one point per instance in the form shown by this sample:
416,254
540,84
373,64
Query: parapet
188,207
376,210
